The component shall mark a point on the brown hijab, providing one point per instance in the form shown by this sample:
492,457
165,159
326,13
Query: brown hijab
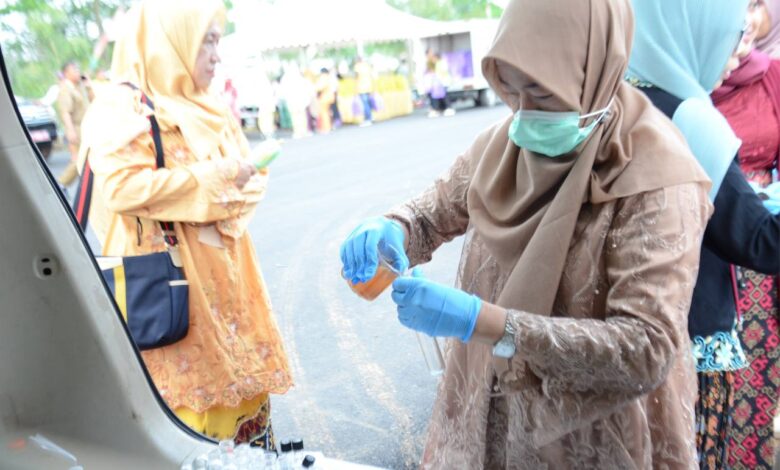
525,205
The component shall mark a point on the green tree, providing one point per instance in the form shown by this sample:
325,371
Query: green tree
39,37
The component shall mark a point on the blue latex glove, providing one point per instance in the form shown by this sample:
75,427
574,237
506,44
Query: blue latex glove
434,309
773,206
361,250
773,203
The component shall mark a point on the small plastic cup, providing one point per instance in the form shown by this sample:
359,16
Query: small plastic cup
386,273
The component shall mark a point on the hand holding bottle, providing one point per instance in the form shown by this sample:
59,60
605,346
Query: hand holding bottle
264,153
245,172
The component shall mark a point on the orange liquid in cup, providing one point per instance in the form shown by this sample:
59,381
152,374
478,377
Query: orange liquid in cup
385,275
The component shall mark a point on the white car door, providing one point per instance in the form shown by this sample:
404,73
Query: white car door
70,377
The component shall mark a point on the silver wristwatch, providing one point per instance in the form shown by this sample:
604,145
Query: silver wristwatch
505,348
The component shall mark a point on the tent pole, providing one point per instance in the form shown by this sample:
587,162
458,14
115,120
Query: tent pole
411,64
303,58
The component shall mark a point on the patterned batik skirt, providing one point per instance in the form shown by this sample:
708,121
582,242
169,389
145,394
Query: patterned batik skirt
756,387
250,422
713,406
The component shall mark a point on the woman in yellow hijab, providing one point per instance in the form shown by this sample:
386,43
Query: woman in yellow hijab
217,379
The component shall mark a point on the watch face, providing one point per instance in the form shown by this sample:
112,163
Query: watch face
504,349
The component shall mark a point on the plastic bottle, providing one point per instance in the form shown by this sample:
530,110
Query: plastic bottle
201,463
215,460
298,455
254,459
309,462
271,461
264,153
227,447
285,460
432,354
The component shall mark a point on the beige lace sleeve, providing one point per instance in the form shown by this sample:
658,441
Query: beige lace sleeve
651,258
438,215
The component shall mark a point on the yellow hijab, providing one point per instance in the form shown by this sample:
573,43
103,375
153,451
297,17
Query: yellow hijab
158,55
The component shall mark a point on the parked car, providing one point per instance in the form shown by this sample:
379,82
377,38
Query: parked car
40,122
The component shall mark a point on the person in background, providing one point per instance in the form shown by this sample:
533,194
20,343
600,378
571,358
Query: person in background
769,32
283,118
443,74
100,81
325,99
434,88
335,79
750,100
297,93
74,96
313,107
403,67
50,98
583,212
682,52
267,103
430,56
218,379
365,87
230,95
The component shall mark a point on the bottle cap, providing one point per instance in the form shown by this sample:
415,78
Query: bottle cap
286,446
227,446
308,461
297,444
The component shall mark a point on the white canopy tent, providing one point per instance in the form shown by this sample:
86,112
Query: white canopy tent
295,24
262,30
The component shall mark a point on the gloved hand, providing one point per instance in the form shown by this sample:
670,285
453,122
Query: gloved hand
772,192
434,309
773,206
360,251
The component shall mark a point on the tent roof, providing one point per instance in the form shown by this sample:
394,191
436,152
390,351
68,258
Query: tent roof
291,24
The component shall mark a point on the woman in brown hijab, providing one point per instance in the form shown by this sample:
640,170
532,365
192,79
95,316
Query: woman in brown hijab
568,333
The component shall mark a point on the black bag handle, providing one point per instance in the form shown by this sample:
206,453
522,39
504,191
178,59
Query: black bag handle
83,201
